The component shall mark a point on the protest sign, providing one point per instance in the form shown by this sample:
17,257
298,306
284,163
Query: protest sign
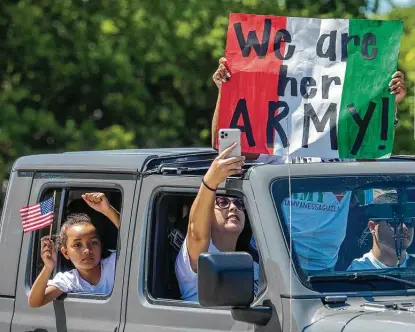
311,87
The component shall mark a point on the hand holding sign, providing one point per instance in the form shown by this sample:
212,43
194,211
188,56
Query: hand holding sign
397,86
221,75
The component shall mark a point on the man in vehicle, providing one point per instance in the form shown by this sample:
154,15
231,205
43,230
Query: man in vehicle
384,253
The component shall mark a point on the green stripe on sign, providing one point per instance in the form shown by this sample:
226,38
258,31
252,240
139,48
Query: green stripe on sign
365,90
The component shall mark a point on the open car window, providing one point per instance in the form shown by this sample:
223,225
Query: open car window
69,200
348,226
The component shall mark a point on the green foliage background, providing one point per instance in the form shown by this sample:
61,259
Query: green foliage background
85,75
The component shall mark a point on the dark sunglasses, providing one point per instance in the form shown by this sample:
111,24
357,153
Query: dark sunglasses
408,222
224,203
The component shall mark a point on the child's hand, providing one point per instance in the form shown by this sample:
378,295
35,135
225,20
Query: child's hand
97,201
48,253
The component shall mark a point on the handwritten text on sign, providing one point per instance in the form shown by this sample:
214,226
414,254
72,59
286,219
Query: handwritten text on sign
311,87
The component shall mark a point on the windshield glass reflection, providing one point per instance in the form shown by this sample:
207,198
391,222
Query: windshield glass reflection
348,224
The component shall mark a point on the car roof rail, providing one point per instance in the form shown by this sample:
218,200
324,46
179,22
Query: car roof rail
200,159
403,157
192,163
198,163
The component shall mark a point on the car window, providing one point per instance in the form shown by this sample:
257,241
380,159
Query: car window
351,224
69,201
168,229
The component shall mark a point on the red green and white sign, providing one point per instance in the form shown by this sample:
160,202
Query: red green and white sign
311,87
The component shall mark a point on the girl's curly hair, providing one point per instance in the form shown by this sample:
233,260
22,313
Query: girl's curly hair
71,220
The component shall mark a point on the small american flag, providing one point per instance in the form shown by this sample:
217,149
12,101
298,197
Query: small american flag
37,216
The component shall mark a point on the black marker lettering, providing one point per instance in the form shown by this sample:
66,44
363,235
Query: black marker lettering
384,123
310,114
326,84
362,123
246,128
283,80
252,41
273,122
345,42
331,49
369,39
305,83
283,36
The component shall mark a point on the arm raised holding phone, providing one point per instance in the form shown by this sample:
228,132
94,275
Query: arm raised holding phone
215,223
202,214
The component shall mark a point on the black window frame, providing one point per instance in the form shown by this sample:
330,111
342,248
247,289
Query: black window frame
61,205
302,184
149,261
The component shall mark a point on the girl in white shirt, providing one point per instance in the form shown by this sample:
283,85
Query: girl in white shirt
80,243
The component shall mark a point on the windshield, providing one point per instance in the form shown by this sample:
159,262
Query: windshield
348,225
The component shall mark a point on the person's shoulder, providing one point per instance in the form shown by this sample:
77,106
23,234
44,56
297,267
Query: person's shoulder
411,258
182,251
110,259
66,275
212,248
66,281
360,263
184,272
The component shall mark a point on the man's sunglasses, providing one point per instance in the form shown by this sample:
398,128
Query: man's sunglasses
224,203
408,222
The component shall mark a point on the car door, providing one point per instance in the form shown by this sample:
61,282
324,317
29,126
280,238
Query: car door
144,312
10,243
75,312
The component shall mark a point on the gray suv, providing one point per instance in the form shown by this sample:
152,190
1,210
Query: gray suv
317,230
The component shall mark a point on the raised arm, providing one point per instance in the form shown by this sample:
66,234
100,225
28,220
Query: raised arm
215,121
41,294
221,75
202,211
99,202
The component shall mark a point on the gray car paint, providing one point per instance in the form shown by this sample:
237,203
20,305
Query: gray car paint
134,308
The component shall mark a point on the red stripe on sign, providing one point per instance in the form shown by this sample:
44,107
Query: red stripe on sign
252,89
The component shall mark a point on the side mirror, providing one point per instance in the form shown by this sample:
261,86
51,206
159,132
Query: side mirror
225,279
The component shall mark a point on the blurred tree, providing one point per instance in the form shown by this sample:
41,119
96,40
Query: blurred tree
107,74
405,135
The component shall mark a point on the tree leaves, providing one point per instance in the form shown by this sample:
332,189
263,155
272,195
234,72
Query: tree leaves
404,134
84,75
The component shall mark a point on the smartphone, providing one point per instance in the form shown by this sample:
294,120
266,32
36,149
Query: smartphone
227,137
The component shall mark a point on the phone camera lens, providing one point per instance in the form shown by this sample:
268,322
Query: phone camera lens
221,136
226,135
